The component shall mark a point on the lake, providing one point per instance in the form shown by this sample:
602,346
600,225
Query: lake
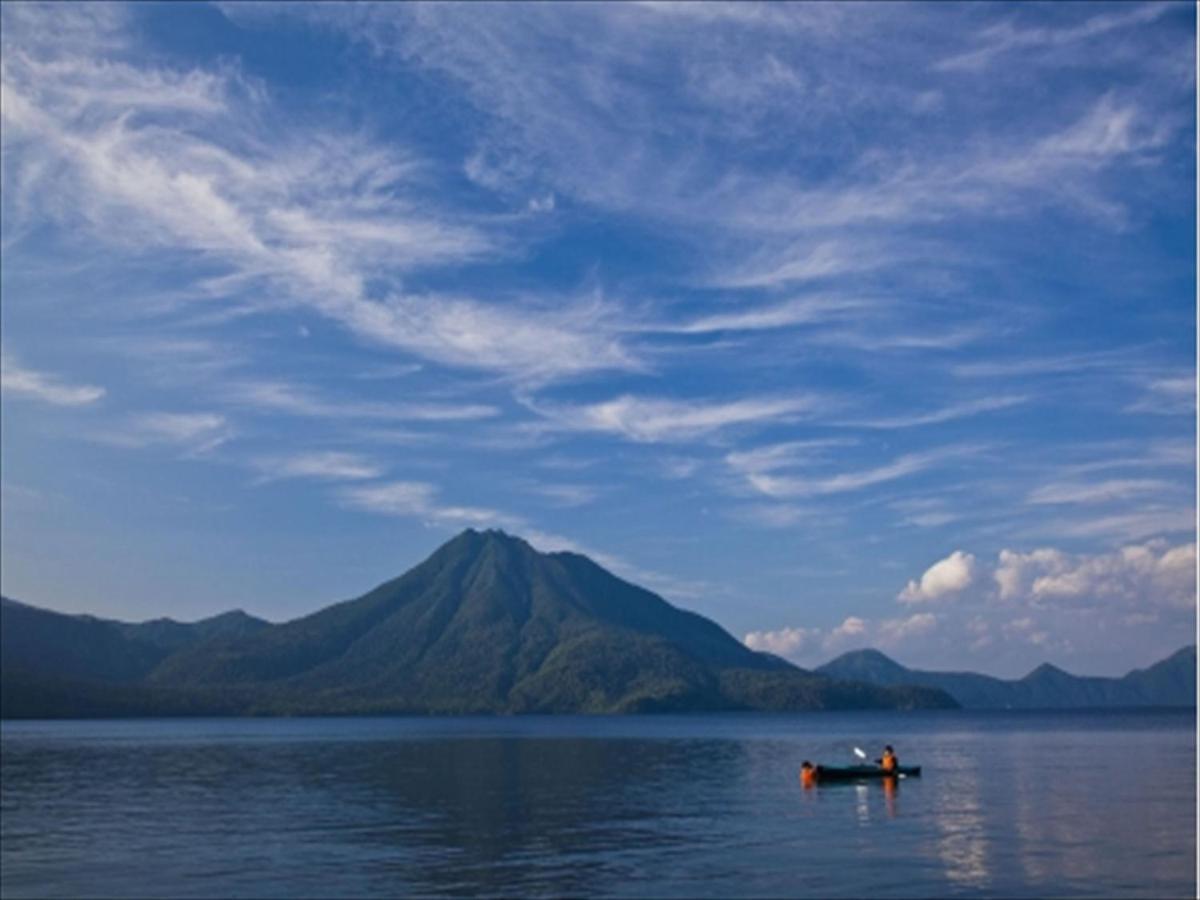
1010,804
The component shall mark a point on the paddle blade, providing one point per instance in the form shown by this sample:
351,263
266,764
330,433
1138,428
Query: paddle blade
859,753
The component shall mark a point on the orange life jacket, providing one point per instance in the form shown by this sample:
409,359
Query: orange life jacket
888,763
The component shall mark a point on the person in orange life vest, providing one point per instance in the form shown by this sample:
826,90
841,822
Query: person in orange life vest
808,774
890,761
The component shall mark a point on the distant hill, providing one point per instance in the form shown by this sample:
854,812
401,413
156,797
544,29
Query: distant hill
486,624
1171,682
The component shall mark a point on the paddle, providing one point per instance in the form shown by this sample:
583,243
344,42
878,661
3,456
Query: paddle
861,755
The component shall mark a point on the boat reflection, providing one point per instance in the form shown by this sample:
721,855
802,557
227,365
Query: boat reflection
888,789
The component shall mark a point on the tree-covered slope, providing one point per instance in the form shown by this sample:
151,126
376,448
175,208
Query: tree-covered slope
486,624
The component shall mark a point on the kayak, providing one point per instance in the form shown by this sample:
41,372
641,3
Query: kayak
853,773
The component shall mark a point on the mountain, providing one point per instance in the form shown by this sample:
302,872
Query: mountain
1171,682
486,624
169,634
56,665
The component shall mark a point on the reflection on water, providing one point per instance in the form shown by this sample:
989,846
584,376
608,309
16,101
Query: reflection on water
962,846
862,807
670,806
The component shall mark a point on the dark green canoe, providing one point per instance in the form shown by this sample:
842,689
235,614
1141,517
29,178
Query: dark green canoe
854,773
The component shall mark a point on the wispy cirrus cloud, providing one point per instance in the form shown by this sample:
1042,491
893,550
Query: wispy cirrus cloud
420,500
1005,38
566,495
16,379
300,400
657,419
151,156
196,433
771,457
329,465
945,414
790,486
1121,358
1172,395
1097,492
770,317
1141,522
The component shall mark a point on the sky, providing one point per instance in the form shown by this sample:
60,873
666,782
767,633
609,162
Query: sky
844,325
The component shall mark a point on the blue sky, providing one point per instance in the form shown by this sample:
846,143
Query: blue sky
843,324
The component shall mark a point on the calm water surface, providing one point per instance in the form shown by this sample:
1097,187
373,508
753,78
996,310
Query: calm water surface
1010,804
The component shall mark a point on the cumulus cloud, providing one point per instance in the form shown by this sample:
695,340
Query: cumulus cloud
1152,574
852,630
895,631
851,626
783,642
943,579
795,642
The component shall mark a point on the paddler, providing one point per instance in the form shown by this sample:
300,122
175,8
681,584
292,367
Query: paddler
808,774
890,762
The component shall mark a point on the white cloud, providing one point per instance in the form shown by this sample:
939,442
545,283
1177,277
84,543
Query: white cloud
1167,396
1061,364
654,420
568,495
1004,38
853,628
1152,574
790,313
16,379
1099,492
781,487
772,457
197,433
783,642
774,515
326,465
418,499
152,157
1148,521
896,631
945,414
797,643
944,578
799,263
298,400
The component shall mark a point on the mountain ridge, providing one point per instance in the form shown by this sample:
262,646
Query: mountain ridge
1169,682
485,624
